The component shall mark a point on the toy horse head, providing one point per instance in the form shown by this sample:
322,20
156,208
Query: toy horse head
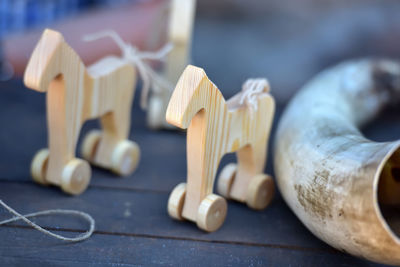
44,64
189,96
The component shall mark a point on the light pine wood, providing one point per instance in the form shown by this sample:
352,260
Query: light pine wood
180,27
75,94
176,200
216,127
211,213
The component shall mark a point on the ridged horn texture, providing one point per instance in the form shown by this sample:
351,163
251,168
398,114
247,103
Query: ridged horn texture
342,186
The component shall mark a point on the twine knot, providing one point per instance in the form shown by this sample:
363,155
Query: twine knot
251,90
137,58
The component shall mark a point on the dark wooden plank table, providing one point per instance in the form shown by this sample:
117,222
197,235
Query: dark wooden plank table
132,225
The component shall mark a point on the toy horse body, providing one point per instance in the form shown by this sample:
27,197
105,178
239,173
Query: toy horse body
216,127
105,90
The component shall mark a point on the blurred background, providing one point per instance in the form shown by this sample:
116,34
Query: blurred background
286,41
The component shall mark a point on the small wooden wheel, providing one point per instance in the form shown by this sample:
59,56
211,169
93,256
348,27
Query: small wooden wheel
155,114
225,180
211,213
75,177
90,144
125,158
176,201
260,191
39,166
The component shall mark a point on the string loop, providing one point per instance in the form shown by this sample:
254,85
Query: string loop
24,218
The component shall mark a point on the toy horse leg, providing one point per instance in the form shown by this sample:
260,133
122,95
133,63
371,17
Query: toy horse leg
195,200
59,165
198,184
247,168
250,184
115,151
234,179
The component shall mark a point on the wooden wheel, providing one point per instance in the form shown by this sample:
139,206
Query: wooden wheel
90,144
125,158
211,213
260,191
225,180
39,166
75,177
176,201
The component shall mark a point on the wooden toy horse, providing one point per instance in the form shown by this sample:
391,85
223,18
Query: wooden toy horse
215,127
74,95
179,34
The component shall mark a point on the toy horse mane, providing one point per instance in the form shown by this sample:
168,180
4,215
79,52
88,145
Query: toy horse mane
45,62
190,96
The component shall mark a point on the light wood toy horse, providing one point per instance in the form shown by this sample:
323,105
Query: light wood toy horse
215,127
180,35
75,94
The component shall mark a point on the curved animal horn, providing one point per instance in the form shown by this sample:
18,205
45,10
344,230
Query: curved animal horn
342,186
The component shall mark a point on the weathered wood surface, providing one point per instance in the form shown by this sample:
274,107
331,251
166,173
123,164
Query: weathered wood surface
144,251
133,226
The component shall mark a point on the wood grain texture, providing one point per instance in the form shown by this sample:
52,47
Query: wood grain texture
75,94
145,251
216,127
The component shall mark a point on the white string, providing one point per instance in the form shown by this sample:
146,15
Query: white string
251,90
81,214
136,57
